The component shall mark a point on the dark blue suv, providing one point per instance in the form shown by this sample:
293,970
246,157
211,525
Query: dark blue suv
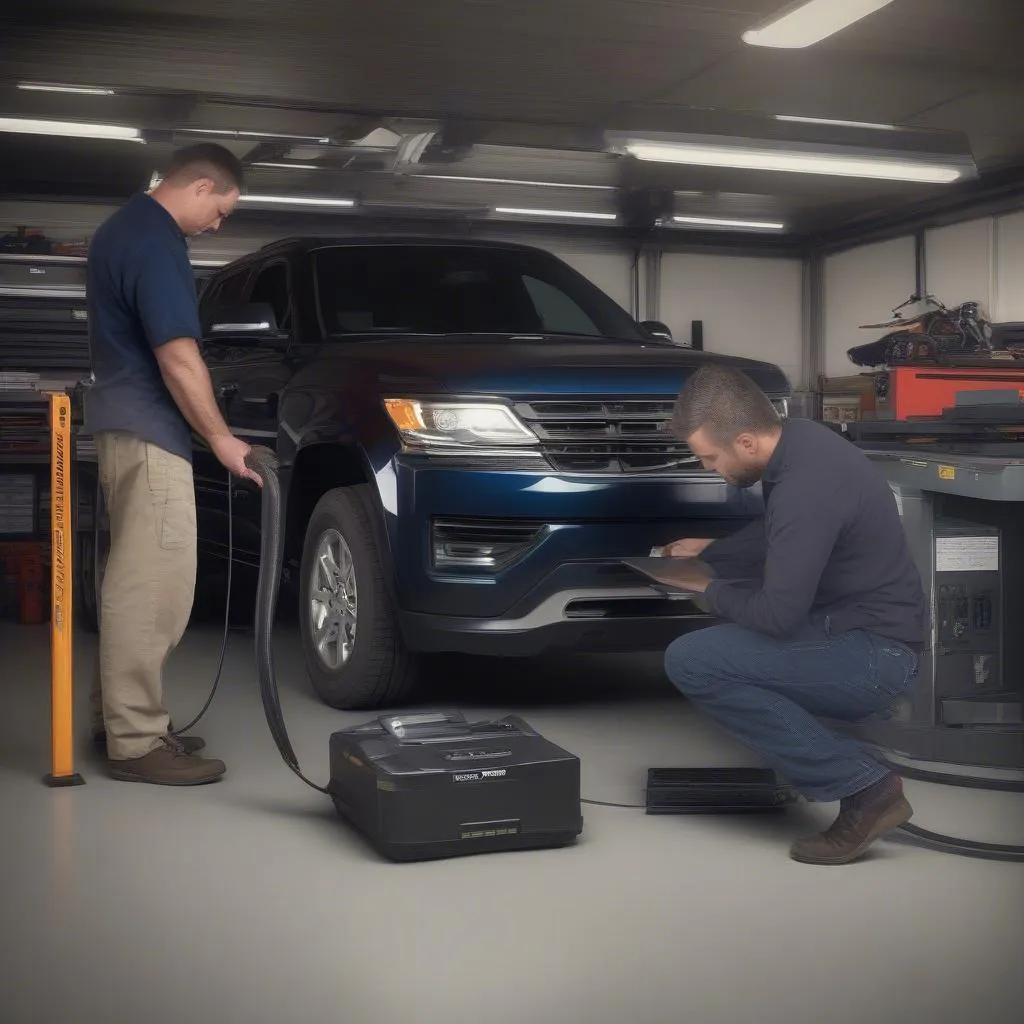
471,437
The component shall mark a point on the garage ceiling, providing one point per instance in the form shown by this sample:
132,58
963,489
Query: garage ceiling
415,97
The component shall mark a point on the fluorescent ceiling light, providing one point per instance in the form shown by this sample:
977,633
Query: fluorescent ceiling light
513,181
794,161
724,222
296,200
810,22
231,133
28,257
287,167
78,90
576,214
842,124
75,129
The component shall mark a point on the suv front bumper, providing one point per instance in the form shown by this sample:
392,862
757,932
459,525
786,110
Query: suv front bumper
610,620
568,588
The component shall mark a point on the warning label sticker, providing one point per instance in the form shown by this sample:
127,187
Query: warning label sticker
967,554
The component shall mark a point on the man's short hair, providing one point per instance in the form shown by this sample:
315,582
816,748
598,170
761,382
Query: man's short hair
725,402
205,160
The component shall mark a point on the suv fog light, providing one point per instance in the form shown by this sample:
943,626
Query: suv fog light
489,547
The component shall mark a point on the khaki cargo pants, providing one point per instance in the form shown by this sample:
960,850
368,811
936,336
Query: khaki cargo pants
147,590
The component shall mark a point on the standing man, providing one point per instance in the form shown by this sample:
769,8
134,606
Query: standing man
150,385
825,608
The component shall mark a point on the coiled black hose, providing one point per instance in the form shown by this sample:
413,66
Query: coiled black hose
263,461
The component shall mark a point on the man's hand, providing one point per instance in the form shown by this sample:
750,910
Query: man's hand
188,381
687,574
681,573
231,453
690,548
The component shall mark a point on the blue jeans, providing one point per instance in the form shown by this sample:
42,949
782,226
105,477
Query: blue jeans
767,692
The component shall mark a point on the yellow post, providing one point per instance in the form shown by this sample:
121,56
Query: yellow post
62,574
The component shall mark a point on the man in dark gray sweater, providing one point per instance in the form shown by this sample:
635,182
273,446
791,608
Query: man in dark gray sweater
824,610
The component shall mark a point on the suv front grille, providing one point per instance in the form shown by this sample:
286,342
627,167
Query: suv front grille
608,435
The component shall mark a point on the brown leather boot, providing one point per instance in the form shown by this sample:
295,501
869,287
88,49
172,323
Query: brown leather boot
170,764
863,818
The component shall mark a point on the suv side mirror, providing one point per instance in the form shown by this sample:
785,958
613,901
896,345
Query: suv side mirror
657,329
250,320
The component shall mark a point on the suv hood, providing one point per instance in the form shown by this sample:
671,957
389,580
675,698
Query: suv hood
517,367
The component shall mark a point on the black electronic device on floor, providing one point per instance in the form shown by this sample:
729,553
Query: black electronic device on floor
423,785
432,784
716,791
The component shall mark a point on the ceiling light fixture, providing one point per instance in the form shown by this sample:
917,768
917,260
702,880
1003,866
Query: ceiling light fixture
810,22
702,154
514,181
78,90
73,129
842,124
231,133
724,222
574,214
296,200
288,167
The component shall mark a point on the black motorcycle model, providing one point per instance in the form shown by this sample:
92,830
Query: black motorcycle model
937,335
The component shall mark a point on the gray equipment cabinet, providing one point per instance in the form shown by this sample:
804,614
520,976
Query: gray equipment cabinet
964,517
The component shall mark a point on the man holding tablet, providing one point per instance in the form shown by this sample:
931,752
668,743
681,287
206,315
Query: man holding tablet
823,608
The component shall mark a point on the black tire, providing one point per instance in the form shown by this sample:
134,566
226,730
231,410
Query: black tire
379,671
91,546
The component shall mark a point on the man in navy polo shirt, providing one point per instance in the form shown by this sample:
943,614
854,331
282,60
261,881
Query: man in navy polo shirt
150,390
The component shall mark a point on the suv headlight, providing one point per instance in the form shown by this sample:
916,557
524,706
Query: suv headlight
781,406
434,424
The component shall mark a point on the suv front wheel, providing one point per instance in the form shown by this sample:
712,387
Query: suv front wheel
353,649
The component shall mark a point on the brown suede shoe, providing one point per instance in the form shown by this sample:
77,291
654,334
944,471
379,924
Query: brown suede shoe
168,765
192,744
856,828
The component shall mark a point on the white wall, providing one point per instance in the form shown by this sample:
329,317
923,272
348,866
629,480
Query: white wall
612,272
960,263
1008,287
750,306
861,287
980,260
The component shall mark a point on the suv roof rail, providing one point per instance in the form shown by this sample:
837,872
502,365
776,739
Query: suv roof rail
291,240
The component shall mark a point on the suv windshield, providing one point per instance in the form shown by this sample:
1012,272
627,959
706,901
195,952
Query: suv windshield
440,289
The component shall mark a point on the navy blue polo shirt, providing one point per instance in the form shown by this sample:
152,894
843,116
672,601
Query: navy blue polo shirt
141,294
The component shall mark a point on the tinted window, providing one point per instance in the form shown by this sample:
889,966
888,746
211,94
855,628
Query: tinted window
228,290
272,287
437,289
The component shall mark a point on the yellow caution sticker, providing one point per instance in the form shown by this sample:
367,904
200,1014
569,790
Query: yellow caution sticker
947,472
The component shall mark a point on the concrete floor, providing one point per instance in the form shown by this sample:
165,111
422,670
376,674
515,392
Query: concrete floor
249,902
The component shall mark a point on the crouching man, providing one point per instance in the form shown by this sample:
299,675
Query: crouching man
824,608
